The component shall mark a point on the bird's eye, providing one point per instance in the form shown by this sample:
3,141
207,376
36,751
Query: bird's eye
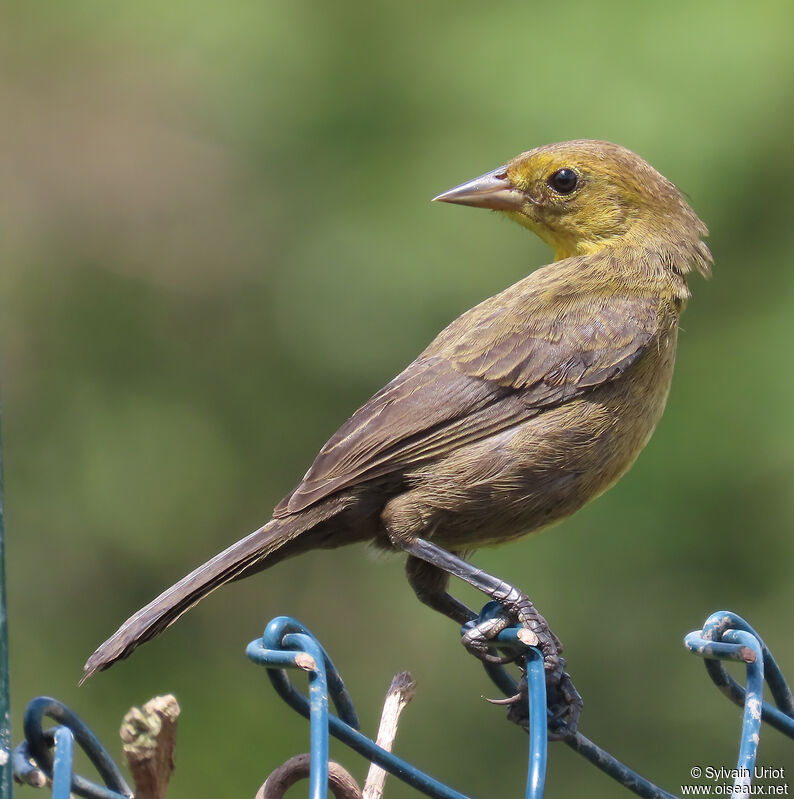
563,181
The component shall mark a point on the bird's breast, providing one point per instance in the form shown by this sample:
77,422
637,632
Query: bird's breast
544,469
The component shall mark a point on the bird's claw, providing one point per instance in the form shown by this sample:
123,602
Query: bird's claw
563,701
510,700
517,608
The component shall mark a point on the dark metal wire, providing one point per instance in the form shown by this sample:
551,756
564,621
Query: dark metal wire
725,636
268,652
5,704
35,754
287,644
708,644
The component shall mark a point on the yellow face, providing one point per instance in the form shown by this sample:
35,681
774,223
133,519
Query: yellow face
581,194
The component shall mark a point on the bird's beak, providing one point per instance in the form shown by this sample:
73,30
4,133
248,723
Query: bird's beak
492,190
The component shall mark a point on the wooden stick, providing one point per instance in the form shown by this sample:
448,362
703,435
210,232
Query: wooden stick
148,735
400,693
342,785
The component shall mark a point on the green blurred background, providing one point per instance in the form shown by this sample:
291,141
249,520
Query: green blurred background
217,242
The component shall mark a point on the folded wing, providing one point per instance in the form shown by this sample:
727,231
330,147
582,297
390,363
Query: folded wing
506,360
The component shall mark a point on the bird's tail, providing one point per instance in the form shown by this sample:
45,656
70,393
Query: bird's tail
245,556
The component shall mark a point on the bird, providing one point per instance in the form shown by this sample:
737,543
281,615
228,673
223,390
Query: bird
517,414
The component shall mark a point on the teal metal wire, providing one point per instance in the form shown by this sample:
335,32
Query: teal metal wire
5,702
51,752
724,636
708,643
285,633
287,644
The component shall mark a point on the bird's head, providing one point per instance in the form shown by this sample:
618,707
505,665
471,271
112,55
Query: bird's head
582,196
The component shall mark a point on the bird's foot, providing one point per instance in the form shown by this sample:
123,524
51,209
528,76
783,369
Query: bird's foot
478,638
563,701
515,608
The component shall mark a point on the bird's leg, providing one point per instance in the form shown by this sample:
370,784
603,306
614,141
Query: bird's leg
428,569
430,586
517,604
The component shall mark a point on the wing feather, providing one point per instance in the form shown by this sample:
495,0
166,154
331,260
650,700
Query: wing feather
506,360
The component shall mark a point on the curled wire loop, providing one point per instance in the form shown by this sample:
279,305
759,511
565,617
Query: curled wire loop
726,636
718,641
48,755
288,644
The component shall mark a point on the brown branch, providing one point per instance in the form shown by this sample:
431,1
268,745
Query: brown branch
148,735
342,785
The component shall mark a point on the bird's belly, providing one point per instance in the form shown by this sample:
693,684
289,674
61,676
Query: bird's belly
542,470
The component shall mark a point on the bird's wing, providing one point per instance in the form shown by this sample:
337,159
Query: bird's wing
499,364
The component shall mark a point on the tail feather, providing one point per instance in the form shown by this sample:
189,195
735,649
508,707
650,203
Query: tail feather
180,597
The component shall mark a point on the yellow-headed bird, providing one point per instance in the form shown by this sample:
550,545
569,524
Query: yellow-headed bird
522,410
